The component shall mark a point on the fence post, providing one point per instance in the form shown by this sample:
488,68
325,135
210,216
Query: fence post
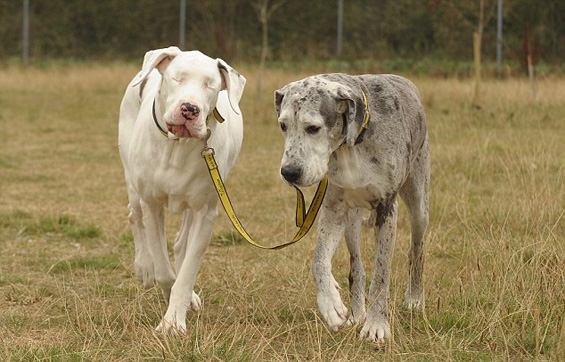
477,57
339,31
26,33
182,25
499,40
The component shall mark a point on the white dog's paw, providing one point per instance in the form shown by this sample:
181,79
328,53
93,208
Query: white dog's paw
375,330
171,326
195,302
144,272
332,308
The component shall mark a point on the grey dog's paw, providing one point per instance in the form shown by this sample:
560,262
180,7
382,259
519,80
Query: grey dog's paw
375,330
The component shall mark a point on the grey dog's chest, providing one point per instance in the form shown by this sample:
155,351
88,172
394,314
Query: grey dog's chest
363,177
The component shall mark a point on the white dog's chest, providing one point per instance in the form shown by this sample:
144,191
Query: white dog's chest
173,173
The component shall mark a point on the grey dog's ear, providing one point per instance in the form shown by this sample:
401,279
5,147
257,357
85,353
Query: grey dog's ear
351,105
279,95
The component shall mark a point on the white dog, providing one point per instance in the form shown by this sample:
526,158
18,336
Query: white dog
164,117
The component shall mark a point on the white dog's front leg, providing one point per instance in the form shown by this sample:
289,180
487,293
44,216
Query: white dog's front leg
154,221
183,296
331,230
182,239
143,263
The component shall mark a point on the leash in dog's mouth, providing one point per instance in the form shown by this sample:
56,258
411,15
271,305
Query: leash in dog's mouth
304,221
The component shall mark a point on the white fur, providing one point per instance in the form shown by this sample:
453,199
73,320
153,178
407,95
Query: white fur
163,172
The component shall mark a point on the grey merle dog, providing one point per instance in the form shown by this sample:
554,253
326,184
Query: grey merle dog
368,134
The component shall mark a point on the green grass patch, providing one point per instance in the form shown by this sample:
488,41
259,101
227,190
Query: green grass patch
79,263
9,279
7,164
65,225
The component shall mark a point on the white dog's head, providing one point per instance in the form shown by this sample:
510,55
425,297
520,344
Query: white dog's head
191,82
316,115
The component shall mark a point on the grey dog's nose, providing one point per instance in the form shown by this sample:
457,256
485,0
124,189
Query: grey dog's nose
291,173
189,110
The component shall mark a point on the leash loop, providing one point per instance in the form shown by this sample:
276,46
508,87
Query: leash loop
207,150
304,221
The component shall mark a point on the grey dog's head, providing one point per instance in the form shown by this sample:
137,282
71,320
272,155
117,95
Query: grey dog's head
316,115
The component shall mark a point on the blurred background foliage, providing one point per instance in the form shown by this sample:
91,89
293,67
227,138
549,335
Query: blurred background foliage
404,33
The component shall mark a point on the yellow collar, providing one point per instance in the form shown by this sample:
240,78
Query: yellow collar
365,121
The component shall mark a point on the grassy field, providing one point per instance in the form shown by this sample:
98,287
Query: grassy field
495,248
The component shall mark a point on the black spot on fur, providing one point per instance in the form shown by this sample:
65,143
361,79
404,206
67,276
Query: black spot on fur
350,278
375,160
378,88
396,104
384,209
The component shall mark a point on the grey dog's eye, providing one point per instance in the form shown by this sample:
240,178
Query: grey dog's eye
283,127
312,129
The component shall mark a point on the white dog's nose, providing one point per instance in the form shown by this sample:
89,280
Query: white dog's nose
189,111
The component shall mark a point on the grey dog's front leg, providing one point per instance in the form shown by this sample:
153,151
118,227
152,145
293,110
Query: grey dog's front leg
331,229
376,327
357,276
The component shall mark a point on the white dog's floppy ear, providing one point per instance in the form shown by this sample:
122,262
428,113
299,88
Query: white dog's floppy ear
279,95
233,83
352,107
159,58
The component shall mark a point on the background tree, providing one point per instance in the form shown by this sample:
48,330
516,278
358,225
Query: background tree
382,30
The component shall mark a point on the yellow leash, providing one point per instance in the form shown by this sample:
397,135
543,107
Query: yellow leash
304,222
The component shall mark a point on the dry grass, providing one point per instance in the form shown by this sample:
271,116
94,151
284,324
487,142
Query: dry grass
495,251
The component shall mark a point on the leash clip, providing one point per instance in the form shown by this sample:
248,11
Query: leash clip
207,150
